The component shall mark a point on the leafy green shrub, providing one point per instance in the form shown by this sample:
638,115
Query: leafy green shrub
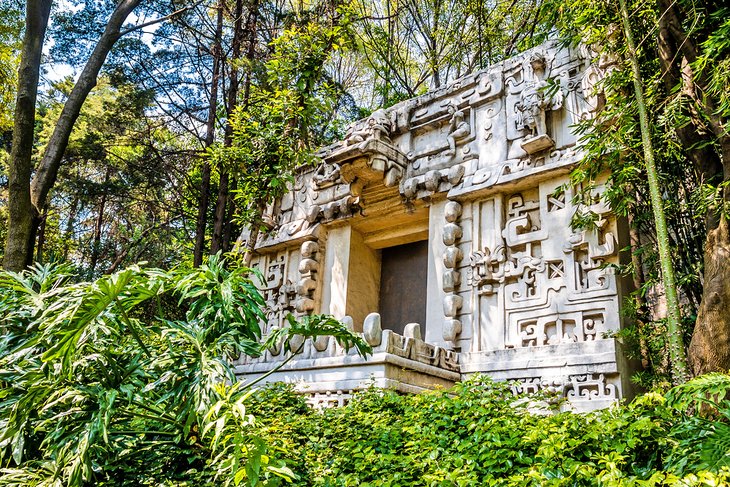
703,434
127,380
478,434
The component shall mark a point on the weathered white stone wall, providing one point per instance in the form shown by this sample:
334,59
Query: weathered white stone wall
436,294
336,272
364,282
480,168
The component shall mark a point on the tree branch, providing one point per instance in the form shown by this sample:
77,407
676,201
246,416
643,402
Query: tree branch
161,19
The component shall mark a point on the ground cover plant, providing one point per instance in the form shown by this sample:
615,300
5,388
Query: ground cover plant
478,434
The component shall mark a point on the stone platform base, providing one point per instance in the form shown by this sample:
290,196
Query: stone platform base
330,376
587,374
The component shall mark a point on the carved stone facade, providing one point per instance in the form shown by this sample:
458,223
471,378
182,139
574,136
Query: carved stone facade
479,169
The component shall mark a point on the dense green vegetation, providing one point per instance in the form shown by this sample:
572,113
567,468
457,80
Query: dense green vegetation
159,131
127,380
478,433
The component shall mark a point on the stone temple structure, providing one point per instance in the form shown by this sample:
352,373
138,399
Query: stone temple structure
440,228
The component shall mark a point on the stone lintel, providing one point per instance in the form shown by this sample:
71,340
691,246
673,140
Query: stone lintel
495,180
533,145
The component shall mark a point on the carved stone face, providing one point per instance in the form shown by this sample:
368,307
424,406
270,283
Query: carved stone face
537,61
379,117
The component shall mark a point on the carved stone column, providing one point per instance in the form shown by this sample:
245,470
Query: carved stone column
307,285
452,277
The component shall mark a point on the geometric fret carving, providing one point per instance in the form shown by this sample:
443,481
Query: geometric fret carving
542,281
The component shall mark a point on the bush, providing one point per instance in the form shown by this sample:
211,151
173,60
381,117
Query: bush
476,434
127,380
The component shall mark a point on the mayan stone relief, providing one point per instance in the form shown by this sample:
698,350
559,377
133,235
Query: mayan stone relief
538,281
479,170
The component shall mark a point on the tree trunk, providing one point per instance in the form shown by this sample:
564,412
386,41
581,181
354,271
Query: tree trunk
638,282
99,224
251,29
47,171
202,221
19,243
433,47
680,372
216,243
231,210
253,15
709,350
204,202
696,142
221,211
68,233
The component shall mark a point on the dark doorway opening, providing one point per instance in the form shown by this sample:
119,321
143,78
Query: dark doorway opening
403,280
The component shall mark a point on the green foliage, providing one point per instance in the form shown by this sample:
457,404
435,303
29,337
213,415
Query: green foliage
127,380
478,433
704,438
118,199
714,60
288,111
11,27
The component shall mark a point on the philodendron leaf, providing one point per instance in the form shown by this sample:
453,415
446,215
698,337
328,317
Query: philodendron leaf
18,444
312,326
94,383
